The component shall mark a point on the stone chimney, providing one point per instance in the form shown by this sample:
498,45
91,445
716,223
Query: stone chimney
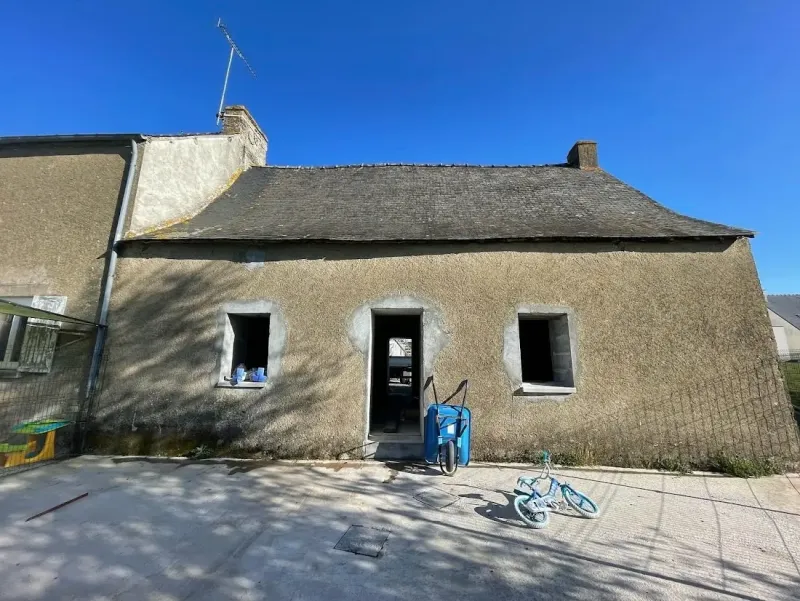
237,120
583,155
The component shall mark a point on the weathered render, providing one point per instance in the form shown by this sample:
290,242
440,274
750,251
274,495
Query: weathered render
180,175
650,319
58,203
60,198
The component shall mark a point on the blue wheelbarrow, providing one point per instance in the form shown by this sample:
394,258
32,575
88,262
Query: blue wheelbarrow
447,430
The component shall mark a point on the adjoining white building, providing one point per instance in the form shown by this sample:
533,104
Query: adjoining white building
784,314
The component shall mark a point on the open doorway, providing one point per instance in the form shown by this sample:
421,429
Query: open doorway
396,383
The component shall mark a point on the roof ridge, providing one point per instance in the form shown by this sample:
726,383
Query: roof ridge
362,165
783,295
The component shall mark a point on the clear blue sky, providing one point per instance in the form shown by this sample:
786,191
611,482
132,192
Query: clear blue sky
695,103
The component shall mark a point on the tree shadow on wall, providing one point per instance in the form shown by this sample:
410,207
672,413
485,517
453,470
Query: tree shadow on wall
157,394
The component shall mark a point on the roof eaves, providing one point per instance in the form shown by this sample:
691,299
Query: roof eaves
186,134
69,138
156,237
427,165
734,231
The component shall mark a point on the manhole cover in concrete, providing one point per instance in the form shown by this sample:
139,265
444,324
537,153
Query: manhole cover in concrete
363,540
436,498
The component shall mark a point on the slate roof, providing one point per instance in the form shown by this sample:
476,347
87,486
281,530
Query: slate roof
787,306
393,203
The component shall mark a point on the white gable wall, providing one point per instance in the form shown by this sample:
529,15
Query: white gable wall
787,337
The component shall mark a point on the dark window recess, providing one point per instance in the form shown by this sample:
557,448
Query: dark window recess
250,341
535,352
8,324
17,350
5,332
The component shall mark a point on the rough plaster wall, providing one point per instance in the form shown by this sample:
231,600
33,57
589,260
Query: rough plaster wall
792,333
56,215
180,176
652,320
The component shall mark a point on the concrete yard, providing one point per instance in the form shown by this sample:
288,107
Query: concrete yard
167,530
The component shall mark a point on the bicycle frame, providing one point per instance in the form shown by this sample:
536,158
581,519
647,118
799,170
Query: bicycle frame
549,500
534,507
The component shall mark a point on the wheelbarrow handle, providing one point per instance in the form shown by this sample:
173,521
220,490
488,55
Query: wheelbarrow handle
463,386
429,382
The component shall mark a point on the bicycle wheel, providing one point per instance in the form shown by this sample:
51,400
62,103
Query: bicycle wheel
534,519
580,502
450,463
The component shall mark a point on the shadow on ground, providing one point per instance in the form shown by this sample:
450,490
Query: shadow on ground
211,530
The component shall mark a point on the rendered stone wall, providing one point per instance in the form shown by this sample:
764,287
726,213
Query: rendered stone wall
649,320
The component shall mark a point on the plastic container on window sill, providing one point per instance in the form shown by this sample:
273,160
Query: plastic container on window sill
238,376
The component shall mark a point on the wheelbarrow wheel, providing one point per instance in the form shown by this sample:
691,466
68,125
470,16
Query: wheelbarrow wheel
449,464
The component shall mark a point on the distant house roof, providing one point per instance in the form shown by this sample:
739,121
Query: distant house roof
393,203
787,306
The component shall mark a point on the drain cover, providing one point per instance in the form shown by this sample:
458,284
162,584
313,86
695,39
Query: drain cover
436,498
363,540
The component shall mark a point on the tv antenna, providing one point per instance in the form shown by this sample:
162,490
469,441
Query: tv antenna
234,48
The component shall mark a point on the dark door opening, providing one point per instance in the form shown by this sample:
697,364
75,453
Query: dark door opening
394,398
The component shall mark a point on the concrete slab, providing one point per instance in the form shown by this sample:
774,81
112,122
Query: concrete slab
436,498
158,529
363,540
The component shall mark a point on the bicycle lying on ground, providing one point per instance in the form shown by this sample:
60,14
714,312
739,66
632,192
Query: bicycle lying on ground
534,508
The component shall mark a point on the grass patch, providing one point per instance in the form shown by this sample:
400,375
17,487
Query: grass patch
671,464
583,456
730,464
791,373
744,467
201,452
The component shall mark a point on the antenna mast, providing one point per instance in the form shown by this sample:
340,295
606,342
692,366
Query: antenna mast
234,48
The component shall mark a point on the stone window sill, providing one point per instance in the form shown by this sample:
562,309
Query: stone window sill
9,369
225,384
544,390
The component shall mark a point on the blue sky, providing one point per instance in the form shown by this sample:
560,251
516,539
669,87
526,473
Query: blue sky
695,103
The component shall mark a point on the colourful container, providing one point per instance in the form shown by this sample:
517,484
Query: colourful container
447,422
